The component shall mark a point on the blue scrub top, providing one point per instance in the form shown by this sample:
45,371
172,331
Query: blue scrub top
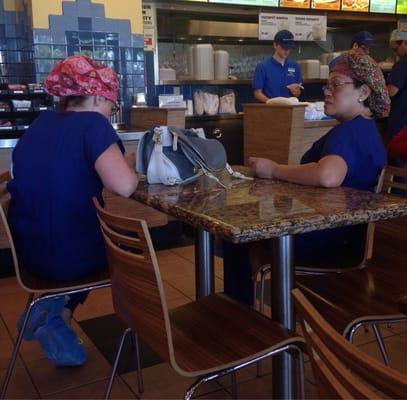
272,77
398,113
359,144
51,214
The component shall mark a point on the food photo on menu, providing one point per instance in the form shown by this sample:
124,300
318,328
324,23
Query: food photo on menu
383,6
326,4
355,5
295,3
402,7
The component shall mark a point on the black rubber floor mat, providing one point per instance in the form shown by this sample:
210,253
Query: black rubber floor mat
105,332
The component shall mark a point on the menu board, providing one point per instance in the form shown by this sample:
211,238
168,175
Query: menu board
355,5
259,3
295,3
401,7
304,27
326,4
383,6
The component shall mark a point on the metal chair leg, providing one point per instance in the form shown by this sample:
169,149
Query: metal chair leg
234,385
140,383
116,363
301,372
380,342
16,348
263,272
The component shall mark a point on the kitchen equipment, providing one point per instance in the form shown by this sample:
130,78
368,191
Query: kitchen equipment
221,59
309,68
323,58
203,60
167,74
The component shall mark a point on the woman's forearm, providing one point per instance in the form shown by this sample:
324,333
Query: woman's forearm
327,172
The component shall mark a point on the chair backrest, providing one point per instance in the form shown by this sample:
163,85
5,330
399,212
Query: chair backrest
371,226
342,371
6,239
391,235
4,202
394,178
137,289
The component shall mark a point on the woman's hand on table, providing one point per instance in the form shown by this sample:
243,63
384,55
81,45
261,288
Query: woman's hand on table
263,167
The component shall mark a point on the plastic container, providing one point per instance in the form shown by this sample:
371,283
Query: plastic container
310,69
167,74
221,58
323,71
203,61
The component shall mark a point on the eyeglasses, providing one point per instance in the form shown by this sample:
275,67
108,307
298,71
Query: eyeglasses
333,86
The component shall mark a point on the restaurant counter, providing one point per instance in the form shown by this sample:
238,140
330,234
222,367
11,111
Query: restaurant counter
129,139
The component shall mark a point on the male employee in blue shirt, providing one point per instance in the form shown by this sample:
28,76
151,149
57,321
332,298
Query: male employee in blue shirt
397,84
278,76
362,42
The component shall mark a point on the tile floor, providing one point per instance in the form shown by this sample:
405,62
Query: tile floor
34,377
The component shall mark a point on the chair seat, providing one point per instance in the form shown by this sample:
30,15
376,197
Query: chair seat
35,284
215,332
371,293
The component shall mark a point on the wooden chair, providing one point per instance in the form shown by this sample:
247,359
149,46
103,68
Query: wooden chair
205,339
371,295
134,209
37,286
341,370
261,272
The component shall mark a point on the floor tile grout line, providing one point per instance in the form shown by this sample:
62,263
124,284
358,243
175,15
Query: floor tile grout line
21,359
174,287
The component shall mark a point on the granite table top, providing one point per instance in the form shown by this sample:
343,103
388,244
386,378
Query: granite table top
261,209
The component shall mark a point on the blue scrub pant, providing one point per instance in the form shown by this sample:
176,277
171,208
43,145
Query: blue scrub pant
334,248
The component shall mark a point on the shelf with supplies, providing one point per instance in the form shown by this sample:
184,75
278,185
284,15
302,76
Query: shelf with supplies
20,104
223,82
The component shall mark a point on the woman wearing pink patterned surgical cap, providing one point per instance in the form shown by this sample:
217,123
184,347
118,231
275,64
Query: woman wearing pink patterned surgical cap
62,161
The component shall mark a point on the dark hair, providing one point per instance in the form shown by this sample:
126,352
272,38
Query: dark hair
75,101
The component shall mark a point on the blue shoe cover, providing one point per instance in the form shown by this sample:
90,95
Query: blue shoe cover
60,343
40,314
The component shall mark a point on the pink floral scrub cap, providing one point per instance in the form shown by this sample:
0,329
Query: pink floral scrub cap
82,76
363,68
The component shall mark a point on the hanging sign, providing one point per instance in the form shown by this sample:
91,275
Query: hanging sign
304,27
149,26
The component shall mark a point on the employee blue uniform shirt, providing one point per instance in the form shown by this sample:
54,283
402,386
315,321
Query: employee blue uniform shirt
398,112
272,77
359,144
51,213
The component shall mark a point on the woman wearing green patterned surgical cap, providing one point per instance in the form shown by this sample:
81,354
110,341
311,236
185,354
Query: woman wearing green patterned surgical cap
351,154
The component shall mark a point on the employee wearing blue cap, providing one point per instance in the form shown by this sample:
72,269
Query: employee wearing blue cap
362,42
278,76
397,84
